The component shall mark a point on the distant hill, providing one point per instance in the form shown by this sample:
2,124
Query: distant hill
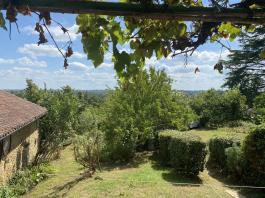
104,92
94,92
191,92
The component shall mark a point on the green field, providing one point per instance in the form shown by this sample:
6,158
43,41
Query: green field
207,134
141,178
144,178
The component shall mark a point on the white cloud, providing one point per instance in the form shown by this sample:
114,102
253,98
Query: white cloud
34,51
22,69
81,74
24,61
78,66
78,55
57,32
183,75
107,65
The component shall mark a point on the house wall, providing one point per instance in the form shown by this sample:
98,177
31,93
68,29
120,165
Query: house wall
24,145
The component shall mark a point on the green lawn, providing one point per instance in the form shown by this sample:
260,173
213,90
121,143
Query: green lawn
207,134
142,178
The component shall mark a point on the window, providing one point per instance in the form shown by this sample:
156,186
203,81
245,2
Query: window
6,145
25,154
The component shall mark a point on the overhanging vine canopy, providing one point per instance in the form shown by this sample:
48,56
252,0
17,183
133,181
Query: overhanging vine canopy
148,27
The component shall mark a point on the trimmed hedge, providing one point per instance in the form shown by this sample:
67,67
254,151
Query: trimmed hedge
217,147
254,153
185,152
235,162
164,140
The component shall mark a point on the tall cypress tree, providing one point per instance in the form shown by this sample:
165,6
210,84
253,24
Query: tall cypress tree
246,66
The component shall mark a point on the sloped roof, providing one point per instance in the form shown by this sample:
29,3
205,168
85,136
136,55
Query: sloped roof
16,113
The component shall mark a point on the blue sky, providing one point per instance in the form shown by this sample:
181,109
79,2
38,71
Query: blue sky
21,58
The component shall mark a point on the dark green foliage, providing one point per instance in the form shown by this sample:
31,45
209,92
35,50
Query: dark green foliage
217,147
91,98
246,66
25,180
259,109
138,108
164,138
247,163
217,109
235,161
254,153
187,154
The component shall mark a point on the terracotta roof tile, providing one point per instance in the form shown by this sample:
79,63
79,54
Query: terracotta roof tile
16,113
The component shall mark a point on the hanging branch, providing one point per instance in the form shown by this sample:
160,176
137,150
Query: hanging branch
46,20
223,45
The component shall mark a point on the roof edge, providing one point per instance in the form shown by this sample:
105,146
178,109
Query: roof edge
10,132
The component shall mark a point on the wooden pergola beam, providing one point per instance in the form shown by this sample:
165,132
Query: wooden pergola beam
235,15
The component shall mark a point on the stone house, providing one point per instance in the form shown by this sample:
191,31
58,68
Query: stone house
19,135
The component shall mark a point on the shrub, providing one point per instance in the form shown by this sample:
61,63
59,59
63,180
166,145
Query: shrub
217,146
184,152
187,153
25,180
254,153
235,162
88,148
89,144
164,138
6,192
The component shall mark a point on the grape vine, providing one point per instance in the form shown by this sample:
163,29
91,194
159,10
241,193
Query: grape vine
41,27
145,37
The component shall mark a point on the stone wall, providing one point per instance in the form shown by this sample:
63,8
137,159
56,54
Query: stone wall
24,145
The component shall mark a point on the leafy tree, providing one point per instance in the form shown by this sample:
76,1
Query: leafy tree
216,108
246,65
90,99
138,108
61,121
32,92
259,108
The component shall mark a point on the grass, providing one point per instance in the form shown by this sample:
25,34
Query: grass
207,134
142,178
